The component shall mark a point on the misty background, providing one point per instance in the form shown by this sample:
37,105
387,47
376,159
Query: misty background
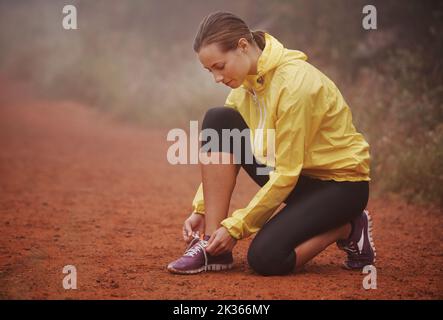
133,60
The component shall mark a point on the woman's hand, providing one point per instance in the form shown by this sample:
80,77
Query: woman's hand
220,242
194,224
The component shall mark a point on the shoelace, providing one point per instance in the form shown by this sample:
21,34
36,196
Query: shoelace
351,248
196,248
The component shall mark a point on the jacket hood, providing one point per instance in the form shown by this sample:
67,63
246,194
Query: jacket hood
273,55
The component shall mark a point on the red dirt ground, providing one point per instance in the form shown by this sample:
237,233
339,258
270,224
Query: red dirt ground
79,189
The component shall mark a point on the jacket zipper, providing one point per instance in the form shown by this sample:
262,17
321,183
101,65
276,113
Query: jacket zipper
258,138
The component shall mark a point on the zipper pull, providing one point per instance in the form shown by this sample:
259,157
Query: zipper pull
260,80
254,96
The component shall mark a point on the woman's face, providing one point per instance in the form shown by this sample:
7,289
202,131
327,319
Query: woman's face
231,67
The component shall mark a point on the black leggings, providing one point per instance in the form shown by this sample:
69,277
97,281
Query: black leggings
313,207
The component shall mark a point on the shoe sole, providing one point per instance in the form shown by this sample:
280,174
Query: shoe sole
371,242
209,267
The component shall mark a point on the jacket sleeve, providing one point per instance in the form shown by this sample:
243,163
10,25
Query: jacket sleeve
293,114
230,100
198,204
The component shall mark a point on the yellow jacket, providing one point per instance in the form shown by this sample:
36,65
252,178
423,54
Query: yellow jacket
314,134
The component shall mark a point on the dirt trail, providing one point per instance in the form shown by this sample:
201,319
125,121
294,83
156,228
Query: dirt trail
78,189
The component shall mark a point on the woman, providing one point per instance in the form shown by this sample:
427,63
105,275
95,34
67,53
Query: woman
320,168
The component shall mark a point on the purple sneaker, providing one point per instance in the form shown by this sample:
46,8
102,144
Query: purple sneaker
196,259
359,246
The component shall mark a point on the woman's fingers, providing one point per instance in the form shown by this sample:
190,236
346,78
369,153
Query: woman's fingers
185,236
220,242
201,228
212,243
216,246
217,250
221,249
187,230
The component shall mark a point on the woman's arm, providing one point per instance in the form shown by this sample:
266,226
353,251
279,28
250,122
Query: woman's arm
292,127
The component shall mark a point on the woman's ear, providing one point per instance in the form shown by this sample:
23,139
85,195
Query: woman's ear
243,45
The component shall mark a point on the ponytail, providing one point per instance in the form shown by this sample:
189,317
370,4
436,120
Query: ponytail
259,38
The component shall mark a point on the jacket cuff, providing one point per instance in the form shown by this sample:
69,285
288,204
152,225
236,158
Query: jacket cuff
198,208
234,227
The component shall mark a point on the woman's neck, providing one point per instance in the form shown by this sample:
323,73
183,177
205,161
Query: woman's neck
254,55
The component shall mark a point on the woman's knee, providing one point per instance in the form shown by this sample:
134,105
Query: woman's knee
220,118
268,261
